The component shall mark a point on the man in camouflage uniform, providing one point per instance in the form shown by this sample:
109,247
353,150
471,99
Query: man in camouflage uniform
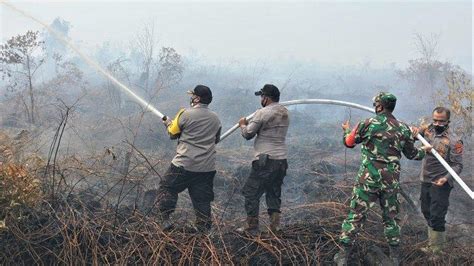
383,139
436,181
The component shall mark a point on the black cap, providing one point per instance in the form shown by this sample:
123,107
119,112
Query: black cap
269,90
203,92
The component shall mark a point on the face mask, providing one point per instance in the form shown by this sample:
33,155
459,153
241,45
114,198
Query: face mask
192,101
263,102
378,110
440,129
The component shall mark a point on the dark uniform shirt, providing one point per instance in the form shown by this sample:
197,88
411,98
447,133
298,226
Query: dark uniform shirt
450,147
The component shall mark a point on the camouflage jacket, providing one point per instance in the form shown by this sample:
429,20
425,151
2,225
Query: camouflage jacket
383,139
449,146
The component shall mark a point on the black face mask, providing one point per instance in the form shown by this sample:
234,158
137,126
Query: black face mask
192,101
264,102
377,110
440,129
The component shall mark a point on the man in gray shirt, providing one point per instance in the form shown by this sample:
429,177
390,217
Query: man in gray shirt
270,125
198,130
436,181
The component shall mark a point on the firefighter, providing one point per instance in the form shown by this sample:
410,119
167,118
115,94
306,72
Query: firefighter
269,127
198,130
383,140
436,182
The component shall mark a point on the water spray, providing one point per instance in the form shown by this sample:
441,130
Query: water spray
89,61
368,109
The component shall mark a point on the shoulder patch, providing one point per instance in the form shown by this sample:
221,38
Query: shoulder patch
458,147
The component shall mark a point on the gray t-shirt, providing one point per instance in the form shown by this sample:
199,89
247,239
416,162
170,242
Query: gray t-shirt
200,132
270,124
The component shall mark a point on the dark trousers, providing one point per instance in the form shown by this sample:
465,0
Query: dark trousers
200,188
264,179
434,204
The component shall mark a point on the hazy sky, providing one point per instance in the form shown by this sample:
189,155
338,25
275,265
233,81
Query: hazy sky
336,32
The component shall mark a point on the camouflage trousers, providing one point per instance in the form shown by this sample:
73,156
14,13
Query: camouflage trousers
363,198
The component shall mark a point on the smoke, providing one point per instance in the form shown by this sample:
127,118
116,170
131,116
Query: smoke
90,62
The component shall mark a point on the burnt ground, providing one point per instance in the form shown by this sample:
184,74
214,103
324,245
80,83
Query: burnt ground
72,233
95,218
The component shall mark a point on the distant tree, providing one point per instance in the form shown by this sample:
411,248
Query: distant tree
19,65
459,98
51,43
146,46
68,79
118,70
158,68
427,73
441,83
170,67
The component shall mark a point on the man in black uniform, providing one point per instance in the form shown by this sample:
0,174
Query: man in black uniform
436,181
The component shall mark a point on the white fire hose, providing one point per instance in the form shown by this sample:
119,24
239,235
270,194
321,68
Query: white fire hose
365,108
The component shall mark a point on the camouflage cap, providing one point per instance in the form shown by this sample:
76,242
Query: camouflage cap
385,97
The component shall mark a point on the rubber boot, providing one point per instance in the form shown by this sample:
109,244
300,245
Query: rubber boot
439,239
395,255
427,248
342,257
165,222
275,222
251,228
